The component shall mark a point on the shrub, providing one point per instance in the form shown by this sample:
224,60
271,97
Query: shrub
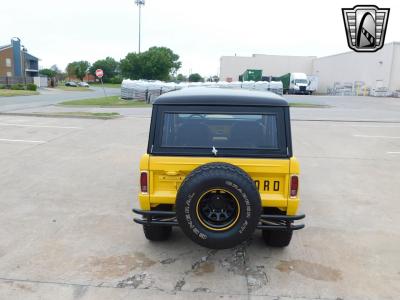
116,80
18,86
31,87
2,86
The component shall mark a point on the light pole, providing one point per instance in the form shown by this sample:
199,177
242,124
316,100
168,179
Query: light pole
140,3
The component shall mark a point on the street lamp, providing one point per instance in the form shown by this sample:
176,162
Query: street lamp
139,3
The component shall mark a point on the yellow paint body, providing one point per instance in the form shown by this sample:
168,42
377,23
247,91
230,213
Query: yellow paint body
272,177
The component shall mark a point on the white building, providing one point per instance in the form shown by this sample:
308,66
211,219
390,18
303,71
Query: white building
271,65
377,69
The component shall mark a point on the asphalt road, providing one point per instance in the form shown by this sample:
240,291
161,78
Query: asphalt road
66,230
50,97
338,109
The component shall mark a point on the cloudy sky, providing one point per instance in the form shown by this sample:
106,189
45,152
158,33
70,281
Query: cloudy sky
59,32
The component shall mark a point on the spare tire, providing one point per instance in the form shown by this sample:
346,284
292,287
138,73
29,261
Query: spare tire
218,206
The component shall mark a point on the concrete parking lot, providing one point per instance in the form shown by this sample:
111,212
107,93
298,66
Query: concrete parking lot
66,230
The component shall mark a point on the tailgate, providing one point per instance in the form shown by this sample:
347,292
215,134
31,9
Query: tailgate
271,176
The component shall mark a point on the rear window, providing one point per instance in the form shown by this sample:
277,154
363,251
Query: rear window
220,130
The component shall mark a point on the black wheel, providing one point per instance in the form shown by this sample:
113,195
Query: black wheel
156,232
218,206
277,238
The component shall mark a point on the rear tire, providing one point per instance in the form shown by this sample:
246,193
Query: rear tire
277,238
156,232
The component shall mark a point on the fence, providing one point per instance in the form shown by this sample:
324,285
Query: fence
41,81
8,81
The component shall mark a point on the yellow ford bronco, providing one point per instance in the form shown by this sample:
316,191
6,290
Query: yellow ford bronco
219,165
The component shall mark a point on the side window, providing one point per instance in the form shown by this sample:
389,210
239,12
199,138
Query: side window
8,62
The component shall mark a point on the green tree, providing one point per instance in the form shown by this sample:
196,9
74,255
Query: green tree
157,63
60,75
70,69
55,69
109,66
181,78
82,68
78,69
48,72
214,78
195,77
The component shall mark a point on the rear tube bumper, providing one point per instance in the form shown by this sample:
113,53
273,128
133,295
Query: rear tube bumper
280,222
267,222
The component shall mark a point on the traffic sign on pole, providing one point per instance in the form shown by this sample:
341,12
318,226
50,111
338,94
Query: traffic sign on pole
99,73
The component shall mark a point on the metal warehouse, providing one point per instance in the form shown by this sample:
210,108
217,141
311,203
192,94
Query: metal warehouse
372,71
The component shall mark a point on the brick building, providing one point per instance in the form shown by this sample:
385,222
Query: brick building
15,61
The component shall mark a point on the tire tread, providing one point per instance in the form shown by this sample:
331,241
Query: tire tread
277,238
157,233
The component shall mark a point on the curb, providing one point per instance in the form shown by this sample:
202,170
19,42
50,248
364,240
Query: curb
60,116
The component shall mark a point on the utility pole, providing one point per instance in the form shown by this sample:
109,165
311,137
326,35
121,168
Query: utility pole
140,3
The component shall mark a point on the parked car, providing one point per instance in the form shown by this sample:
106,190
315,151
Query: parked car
219,164
71,83
83,84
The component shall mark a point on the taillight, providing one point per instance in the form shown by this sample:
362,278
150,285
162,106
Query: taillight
294,186
144,182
